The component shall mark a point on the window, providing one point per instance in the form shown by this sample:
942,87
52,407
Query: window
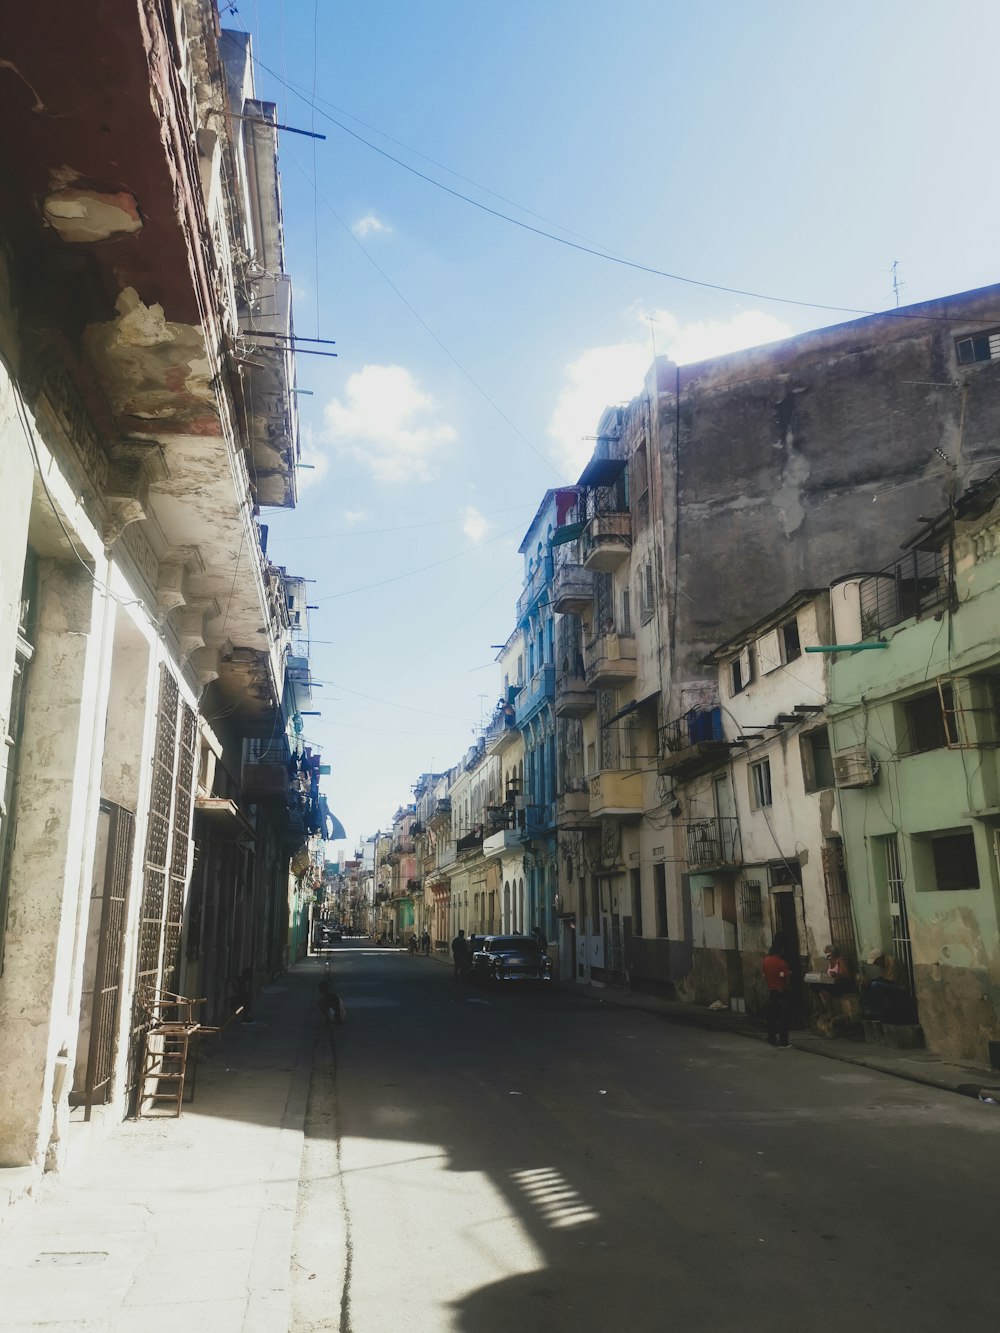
708,900
955,865
660,898
595,904
636,879
924,721
739,672
640,472
817,760
751,903
779,646
626,612
790,640
646,592
978,347
760,783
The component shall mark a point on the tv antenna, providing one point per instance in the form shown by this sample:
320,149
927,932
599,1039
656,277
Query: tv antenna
897,285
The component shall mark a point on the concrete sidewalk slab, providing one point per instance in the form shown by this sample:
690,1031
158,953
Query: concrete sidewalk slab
181,1223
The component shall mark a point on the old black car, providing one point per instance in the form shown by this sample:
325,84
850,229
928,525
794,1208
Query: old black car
506,958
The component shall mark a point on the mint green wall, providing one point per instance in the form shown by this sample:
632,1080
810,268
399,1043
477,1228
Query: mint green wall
954,934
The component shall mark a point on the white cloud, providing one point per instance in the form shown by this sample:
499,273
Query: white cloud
388,423
315,461
352,516
600,377
371,225
474,525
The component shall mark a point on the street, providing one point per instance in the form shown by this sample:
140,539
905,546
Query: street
481,1161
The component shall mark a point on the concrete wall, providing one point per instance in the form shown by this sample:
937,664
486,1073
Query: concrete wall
955,934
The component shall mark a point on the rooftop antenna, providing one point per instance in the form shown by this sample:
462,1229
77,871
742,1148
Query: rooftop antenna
897,285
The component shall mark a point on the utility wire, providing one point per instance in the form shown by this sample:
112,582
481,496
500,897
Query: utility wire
427,328
408,148
608,255
420,569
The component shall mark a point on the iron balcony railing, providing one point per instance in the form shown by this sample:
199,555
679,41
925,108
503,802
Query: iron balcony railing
540,688
918,583
502,721
540,578
713,842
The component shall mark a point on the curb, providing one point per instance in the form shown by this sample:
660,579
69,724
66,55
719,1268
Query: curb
809,1046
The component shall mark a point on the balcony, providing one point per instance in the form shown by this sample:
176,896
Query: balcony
504,840
692,744
713,843
501,731
610,660
573,810
538,691
538,581
572,590
616,793
574,696
470,844
265,773
447,855
441,811
414,885
534,821
913,586
607,542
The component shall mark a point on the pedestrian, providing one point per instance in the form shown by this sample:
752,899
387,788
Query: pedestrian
244,996
425,944
329,1004
459,951
778,975
884,992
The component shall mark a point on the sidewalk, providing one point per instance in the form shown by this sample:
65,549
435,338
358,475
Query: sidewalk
917,1066
180,1224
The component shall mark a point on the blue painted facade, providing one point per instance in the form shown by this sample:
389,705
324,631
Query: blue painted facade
535,717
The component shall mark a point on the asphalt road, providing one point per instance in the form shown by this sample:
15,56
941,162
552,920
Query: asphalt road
532,1161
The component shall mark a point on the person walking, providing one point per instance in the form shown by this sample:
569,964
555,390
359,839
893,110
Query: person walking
778,975
459,953
425,944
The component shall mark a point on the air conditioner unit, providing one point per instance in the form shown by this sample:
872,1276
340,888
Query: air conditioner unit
855,768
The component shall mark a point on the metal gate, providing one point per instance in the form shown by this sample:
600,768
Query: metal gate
180,849
898,921
154,879
110,949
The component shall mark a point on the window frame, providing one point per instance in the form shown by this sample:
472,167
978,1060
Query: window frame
760,783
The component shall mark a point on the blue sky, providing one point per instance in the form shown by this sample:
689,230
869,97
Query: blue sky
793,149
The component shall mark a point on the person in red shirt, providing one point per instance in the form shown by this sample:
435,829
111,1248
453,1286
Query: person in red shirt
778,975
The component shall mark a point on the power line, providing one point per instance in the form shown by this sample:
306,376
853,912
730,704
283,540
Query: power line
420,569
427,328
443,166
608,255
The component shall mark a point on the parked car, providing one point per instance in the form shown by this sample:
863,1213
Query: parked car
332,934
504,958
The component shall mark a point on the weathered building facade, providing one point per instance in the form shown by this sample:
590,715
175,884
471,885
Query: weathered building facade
146,415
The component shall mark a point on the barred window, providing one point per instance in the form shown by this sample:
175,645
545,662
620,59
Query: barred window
751,902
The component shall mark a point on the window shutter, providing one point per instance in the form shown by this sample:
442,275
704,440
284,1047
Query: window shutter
769,652
745,666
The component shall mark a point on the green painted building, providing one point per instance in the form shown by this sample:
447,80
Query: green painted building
916,740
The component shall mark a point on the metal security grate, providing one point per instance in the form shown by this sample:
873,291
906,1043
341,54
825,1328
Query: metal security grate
751,902
919,583
838,900
899,921
154,886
